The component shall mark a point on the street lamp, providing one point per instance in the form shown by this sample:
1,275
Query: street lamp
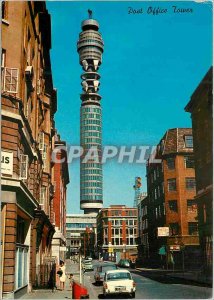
80,263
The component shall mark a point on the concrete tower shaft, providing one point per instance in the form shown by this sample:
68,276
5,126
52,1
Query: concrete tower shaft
90,48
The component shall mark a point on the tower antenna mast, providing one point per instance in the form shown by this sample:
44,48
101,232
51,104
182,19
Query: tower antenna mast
90,13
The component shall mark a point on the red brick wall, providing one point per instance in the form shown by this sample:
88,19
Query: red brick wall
9,248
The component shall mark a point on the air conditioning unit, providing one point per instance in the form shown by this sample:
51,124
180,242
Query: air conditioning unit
29,72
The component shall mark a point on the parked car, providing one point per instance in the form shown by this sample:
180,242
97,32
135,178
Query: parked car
88,258
101,270
87,265
124,263
118,282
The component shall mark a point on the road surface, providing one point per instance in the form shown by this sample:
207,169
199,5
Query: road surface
148,288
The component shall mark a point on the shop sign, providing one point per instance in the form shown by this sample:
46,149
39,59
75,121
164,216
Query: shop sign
49,259
7,163
163,231
175,248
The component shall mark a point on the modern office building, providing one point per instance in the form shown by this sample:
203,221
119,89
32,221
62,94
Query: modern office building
201,109
76,226
117,231
90,48
171,191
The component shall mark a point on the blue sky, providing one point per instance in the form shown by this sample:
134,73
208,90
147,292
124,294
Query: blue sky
151,66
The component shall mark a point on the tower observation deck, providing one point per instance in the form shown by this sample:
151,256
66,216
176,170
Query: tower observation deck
90,48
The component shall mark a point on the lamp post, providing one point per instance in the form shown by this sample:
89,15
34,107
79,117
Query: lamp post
80,263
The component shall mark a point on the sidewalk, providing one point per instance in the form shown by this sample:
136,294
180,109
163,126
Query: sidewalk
194,276
56,294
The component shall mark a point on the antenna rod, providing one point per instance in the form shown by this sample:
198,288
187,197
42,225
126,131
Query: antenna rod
90,13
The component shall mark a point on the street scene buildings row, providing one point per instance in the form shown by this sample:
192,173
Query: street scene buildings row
36,231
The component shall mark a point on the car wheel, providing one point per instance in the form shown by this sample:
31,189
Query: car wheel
133,295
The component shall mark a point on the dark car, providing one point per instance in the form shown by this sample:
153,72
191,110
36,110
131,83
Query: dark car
101,270
124,263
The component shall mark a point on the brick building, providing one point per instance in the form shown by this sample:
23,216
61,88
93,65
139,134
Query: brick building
60,181
88,240
28,108
171,192
117,231
143,243
200,107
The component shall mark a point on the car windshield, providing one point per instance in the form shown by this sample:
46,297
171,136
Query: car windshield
118,276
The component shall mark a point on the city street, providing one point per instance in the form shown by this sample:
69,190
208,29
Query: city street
153,289
159,287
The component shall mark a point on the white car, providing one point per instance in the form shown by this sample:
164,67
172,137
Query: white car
87,265
118,282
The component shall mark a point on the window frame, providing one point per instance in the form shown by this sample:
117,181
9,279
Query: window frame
190,158
171,180
170,163
23,173
187,139
192,232
8,73
190,208
188,186
171,206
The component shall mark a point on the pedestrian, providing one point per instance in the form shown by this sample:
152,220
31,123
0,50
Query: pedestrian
52,281
62,278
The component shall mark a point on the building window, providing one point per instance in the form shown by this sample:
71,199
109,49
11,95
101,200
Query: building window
43,195
23,166
130,213
191,205
170,163
193,228
173,206
171,184
188,141
10,80
3,58
174,228
189,162
190,183
156,212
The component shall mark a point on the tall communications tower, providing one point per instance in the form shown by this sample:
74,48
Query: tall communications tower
90,48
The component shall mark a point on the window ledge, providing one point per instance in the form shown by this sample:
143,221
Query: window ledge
4,21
